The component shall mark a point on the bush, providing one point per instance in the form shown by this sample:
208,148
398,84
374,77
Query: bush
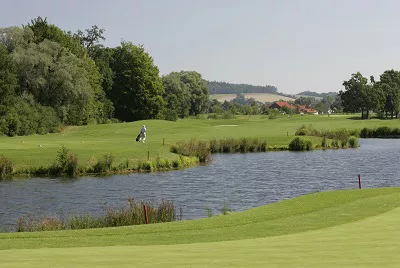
6,166
228,115
104,164
380,132
300,144
66,163
273,114
171,115
199,149
353,142
324,142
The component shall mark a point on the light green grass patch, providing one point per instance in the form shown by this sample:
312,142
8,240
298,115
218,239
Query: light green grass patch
91,142
334,229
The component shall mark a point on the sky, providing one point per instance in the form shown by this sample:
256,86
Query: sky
295,45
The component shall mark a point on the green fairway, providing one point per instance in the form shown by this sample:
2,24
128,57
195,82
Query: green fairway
341,228
93,141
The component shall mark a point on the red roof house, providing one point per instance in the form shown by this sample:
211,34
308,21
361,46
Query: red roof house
279,104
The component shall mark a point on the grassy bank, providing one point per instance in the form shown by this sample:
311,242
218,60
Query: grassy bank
91,143
349,228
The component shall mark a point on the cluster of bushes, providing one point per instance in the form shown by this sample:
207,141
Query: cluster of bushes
193,148
380,132
242,145
300,144
133,214
22,116
222,115
350,142
309,130
165,164
202,150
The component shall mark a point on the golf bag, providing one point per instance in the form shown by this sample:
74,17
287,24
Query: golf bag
138,137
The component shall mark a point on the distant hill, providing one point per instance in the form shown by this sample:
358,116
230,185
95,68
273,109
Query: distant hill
316,94
261,97
228,88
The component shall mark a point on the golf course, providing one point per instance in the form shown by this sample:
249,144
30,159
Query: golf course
348,228
91,142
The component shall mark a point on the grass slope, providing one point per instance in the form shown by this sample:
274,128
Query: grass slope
342,228
93,141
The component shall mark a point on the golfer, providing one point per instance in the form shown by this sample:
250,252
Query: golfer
143,134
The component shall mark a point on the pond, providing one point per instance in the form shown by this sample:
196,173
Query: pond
241,181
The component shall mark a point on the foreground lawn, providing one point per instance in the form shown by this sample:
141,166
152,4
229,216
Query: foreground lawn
342,228
91,142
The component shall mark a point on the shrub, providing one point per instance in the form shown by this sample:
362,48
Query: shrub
171,115
228,115
324,142
66,163
199,149
104,164
335,143
353,142
6,166
300,144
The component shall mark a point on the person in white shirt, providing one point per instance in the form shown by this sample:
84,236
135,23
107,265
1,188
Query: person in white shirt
143,134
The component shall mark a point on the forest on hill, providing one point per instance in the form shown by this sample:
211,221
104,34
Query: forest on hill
229,88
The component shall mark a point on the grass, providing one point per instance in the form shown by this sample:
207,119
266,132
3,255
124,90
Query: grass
90,143
340,228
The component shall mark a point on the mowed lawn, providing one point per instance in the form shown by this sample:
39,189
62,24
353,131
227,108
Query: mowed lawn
349,228
89,143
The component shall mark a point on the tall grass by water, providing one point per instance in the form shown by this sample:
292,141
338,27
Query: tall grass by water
6,166
380,132
133,214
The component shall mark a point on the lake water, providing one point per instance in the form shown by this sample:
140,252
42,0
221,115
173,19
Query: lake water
242,181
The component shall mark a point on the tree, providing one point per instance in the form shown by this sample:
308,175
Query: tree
42,30
91,38
8,76
308,101
389,85
176,95
240,98
360,95
137,89
351,97
199,93
13,37
57,78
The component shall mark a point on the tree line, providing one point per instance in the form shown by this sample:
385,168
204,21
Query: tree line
50,77
363,95
228,88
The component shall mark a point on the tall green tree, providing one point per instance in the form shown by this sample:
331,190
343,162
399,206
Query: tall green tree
58,78
389,84
199,92
176,95
43,30
137,88
8,76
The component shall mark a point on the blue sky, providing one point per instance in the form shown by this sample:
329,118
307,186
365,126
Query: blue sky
295,45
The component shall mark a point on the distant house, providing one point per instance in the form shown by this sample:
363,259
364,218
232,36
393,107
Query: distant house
280,104
302,108
310,111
